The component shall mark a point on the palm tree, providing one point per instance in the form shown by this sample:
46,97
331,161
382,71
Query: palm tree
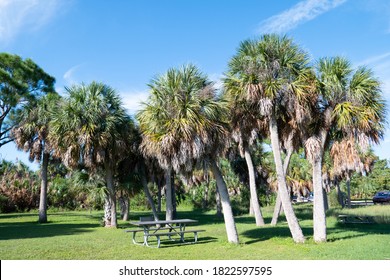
347,158
31,135
290,142
91,129
245,125
348,104
267,71
182,124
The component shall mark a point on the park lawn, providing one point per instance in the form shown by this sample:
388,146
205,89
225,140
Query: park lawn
75,235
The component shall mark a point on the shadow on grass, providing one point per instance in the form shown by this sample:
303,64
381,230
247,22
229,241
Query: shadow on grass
22,230
268,232
166,243
52,214
347,231
17,215
336,233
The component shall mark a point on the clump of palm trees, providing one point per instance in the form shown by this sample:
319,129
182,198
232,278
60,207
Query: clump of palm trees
183,124
270,90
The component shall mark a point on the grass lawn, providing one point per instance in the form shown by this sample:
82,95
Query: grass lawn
78,235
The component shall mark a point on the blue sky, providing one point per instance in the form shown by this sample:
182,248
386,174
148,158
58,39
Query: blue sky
126,43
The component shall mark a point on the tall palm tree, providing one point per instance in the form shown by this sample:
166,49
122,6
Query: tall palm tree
31,135
182,124
245,125
290,142
91,129
267,71
348,103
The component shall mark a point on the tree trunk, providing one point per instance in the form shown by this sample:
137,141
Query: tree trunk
230,225
168,194
348,183
278,203
173,197
340,194
218,204
252,185
159,197
125,208
144,182
205,197
292,220
251,211
277,209
111,192
326,200
43,195
319,217
107,211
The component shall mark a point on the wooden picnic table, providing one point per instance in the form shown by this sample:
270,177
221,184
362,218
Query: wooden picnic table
161,228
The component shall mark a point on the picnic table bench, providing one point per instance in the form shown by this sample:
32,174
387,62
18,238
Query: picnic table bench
355,219
158,229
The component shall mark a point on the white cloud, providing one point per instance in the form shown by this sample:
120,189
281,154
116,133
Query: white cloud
132,100
69,76
25,15
374,59
217,80
300,13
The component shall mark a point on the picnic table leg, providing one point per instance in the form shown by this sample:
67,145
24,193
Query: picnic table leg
182,229
158,241
134,239
146,231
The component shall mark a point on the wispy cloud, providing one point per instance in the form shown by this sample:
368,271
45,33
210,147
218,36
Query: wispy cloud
25,15
69,76
132,100
300,13
375,59
380,64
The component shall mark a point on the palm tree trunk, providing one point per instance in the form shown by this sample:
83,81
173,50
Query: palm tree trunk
159,187
252,185
278,204
339,194
107,211
168,194
277,209
205,196
348,183
111,192
319,216
43,195
147,192
173,197
230,225
251,211
125,207
292,220
218,204
326,200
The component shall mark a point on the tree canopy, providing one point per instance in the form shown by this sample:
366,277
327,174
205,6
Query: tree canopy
21,81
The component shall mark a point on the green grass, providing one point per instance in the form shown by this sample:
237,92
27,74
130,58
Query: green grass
78,235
